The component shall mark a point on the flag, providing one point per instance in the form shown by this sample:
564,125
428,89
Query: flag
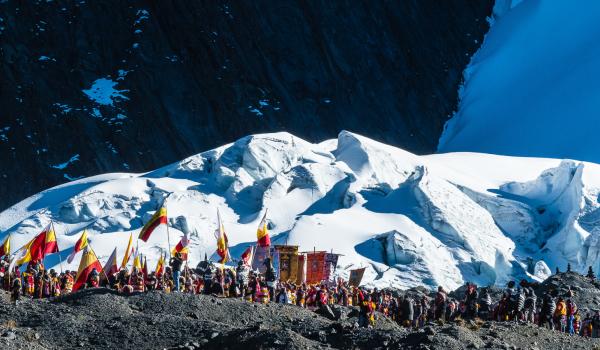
81,243
222,244
111,266
182,247
136,260
25,254
262,233
89,262
258,258
5,249
50,245
160,217
145,268
22,255
128,252
160,266
42,244
356,277
247,255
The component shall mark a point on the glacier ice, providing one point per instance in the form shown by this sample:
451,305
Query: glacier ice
410,220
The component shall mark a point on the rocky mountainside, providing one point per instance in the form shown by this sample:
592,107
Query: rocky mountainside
88,87
185,321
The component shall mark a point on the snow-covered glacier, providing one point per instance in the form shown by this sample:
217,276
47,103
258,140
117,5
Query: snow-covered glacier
532,88
411,220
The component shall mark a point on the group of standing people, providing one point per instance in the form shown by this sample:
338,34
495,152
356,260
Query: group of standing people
515,303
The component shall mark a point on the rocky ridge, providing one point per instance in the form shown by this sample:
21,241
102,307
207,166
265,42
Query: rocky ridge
99,318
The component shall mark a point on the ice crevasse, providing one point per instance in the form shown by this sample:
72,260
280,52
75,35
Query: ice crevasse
410,220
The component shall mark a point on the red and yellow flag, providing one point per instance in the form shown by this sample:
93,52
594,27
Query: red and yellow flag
81,243
160,217
24,255
247,255
262,233
5,249
160,266
222,243
128,252
39,246
182,247
50,245
89,262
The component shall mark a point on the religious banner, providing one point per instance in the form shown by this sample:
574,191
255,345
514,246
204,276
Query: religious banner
288,262
330,265
260,254
356,277
315,266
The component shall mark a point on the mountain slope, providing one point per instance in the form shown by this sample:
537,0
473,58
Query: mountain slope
411,220
531,89
130,86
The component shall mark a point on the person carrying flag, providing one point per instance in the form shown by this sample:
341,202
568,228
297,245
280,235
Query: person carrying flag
176,262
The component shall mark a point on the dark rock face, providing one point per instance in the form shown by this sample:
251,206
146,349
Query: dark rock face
166,79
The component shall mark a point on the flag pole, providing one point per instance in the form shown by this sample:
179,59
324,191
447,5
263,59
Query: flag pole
168,235
9,261
221,230
164,204
252,251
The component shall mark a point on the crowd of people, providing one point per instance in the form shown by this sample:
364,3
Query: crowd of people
516,303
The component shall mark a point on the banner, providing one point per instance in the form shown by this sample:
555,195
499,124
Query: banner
260,254
330,265
288,262
356,277
315,266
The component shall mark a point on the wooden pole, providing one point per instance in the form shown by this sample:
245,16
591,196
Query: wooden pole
168,235
169,240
